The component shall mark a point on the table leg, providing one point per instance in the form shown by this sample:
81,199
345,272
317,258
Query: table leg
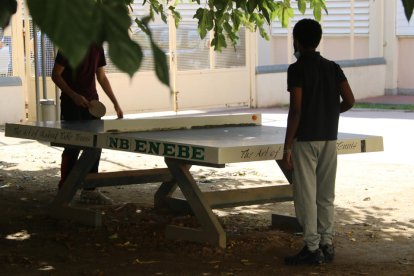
288,174
210,229
60,205
284,222
163,193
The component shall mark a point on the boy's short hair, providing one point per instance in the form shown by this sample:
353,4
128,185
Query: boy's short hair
308,33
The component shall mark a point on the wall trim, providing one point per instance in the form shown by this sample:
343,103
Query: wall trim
361,62
281,68
405,91
10,81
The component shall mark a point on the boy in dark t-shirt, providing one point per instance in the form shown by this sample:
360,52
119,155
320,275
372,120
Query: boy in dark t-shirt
316,87
78,88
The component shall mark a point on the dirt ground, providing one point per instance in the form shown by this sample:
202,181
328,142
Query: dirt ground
374,214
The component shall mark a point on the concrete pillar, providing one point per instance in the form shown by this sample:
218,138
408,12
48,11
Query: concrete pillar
376,28
390,47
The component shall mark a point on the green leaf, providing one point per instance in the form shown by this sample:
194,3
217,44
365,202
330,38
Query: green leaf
317,13
284,14
228,28
67,24
176,15
251,5
219,41
205,21
125,53
161,64
237,18
408,8
241,4
7,9
317,6
160,59
302,6
220,5
266,14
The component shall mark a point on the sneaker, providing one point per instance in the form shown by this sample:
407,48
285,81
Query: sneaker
94,197
328,252
306,257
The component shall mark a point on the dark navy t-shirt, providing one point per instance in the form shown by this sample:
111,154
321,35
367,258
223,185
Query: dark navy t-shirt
319,79
82,80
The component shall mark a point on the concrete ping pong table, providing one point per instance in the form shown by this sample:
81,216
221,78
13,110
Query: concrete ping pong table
209,140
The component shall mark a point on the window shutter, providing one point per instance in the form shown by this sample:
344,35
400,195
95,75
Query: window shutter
192,52
339,19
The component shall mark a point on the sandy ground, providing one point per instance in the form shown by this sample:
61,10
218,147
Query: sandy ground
374,214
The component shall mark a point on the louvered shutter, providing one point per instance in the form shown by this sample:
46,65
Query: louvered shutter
339,21
192,52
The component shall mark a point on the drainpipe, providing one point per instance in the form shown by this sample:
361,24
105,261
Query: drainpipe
57,92
36,72
48,105
42,49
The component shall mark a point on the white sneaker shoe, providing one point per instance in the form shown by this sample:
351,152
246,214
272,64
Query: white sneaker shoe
94,197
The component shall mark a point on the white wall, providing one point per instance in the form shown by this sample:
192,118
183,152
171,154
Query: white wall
12,108
271,89
405,66
141,93
365,81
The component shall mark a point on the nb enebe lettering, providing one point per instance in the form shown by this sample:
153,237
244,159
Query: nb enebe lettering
157,148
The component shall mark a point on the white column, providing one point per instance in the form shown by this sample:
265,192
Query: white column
376,28
352,31
390,47
264,49
252,60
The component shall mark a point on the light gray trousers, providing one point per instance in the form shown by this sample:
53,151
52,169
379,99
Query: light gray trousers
314,172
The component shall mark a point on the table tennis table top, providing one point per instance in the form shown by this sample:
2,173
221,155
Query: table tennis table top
213,144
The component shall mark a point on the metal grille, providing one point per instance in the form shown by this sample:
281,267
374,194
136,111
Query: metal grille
160,36
232,56
194,53
48,52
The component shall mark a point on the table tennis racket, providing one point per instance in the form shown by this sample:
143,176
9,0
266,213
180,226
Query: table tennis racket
97,109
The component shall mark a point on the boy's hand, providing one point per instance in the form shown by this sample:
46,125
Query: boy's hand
81,101
119,112
287,160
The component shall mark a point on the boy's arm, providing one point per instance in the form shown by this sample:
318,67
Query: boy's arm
57,78
347,96
106,86
292,124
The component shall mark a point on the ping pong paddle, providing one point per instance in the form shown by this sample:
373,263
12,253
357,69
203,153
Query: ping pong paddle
96,108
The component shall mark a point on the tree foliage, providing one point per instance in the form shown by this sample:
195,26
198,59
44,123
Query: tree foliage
73,25
7,9
408,8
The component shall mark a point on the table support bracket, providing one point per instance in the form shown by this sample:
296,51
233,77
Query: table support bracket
210,228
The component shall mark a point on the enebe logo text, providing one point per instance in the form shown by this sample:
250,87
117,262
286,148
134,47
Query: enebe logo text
157,148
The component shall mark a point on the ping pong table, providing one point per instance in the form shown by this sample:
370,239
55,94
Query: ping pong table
183,141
